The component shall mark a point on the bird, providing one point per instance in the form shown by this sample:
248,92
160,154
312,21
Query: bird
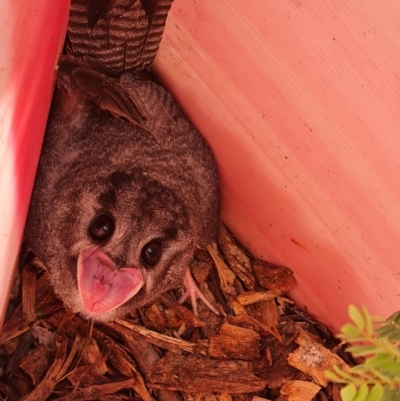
126,189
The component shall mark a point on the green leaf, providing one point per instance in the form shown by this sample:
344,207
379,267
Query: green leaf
394,336
395,318
341,373
334,377
391,394
392,367
362,393
356,317
347,393
384,330
378,360
359,370
388,393
376,393
350,331
368,321
362,350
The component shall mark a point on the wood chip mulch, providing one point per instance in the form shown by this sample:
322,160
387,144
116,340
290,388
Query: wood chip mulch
262,346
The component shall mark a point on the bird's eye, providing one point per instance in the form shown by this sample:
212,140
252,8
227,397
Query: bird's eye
102,227
151,253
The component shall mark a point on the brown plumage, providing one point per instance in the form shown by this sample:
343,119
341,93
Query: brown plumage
126,187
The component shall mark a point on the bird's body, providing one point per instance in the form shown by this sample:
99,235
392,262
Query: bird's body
126,190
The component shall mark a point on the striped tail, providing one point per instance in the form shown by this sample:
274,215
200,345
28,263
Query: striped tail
123,35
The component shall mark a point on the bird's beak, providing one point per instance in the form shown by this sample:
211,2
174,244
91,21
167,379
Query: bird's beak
101,286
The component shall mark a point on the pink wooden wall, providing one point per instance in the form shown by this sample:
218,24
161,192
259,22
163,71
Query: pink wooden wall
31,36
300,102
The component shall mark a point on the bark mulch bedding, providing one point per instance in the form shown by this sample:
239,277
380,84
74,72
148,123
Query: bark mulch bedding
262,346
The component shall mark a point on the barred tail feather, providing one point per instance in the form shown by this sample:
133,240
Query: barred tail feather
123,35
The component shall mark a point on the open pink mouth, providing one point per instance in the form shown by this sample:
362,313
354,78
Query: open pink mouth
103,288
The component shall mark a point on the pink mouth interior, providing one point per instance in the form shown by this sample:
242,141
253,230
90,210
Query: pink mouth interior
101,287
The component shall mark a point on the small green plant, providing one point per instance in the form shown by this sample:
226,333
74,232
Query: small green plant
378,342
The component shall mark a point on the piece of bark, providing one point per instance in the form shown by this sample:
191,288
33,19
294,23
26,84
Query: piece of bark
237,308
73,325
278,374
269,313
297,390
155,317
46,301
259,326
24,343
265,313
203,255
167,395
186,315
214,321
218,294
206,397
145,356
6,393
255,398
16,285
323,397
268,356
93,356
244,397
252,297
44,389
95,392
11,346
226,276
121,360
85,376
204,375
161,340
55,319
20,388
77,346
14,326
272,277
116,356
200,271
313,358
205,313
235,342
336,392
237,260
37,362
172,319
28,294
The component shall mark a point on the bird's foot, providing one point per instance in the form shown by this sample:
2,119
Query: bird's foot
193,292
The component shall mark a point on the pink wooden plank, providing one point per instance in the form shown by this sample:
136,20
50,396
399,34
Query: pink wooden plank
31,38
300,102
